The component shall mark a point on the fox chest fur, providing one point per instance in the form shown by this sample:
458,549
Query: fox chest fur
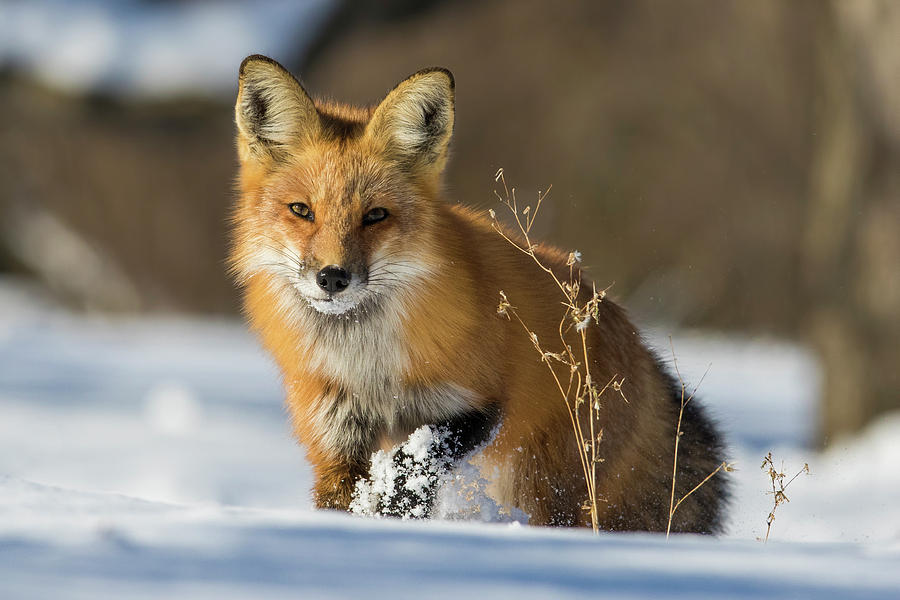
369,398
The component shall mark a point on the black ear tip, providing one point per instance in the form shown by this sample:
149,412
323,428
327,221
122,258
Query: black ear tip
449,76
445,72
258,58
251,59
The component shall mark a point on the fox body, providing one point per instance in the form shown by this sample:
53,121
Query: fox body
378,301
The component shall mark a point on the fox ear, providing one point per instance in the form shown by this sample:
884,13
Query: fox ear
415,120
273,110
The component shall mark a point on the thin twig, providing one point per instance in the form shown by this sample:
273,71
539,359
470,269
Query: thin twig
673,506
778,488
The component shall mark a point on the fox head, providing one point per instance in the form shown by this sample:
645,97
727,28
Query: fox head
336,201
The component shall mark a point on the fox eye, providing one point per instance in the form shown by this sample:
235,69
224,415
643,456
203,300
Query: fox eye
301,210
375,215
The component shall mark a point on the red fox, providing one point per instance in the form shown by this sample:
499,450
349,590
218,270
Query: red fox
378,300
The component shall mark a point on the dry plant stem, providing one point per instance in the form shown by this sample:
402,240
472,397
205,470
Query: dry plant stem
673,505
580,388
587,465
778,488
723,466
565,393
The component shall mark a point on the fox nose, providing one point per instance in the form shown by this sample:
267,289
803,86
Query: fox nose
333,279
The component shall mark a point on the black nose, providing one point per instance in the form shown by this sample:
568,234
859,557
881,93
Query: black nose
333,279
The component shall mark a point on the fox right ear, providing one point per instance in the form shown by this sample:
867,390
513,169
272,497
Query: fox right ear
414,122
273,111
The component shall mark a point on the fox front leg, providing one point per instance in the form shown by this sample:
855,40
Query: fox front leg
335,481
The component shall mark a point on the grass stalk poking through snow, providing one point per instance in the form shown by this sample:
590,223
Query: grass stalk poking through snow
724,466
778,487
575,384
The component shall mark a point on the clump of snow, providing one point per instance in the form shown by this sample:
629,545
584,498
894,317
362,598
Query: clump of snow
368,492
402,482
415,480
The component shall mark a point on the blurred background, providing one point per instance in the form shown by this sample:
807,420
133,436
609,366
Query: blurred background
727,165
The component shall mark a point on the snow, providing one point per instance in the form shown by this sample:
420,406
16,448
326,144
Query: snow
419,470
155,49
118,546
148,458
456,492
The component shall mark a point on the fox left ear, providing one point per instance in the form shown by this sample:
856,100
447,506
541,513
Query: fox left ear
415,120
273,112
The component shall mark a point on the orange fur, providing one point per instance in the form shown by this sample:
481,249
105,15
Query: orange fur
424,342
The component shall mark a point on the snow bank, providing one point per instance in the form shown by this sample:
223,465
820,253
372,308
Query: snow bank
152,458
63,544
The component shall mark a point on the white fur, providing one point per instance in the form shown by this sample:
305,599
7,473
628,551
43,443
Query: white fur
344,302
353,348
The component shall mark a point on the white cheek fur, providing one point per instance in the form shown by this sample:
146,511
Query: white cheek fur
282,260
391,283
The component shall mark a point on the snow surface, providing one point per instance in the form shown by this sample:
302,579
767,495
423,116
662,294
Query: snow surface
149,458
155,49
